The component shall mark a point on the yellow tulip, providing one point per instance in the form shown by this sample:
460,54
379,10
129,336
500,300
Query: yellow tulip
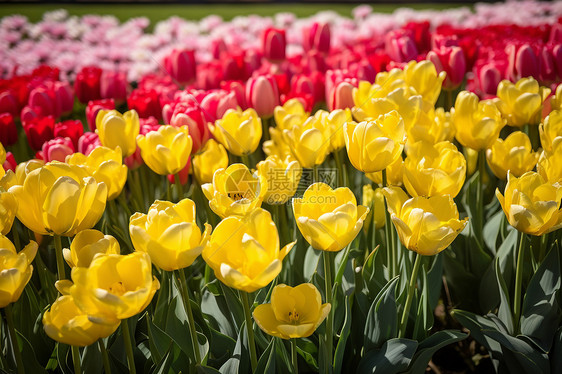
328,219
86,245
549,165
26,167
521,103
118,130
212,157
8,209
431,170
310,142
67,324
374,199
235,191
477,123
335,122
15,270
551,130
292,112
294,312
556,100
394,173
105,165
515,154
423,77
471,157
283,177
372,146
113,287
244,251
240,132
532,204
8,180
169,234
433,127
426,225
60,199
276,146
2,155
167,150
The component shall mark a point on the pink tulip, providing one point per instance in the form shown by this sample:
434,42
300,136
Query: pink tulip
94,107
274,44
450,60
192,116
317,37
88,142
216,103
57,149
64,96
180,65
523,62
113,85
262,94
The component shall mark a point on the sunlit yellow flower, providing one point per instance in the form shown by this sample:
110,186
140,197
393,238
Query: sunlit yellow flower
15,270
240,132
294,312
114,287
276,146
431,170
477,123
374,199
532,204
549,165
310,142
67,324
2,155
244,251
515,154
8,209
212,157
167,150
60,199
169,234
521,103
394,173
118,130
26,167
471,157
86,245
291,113
426,225
335,122
328,219
551,130
374,145
283,177
433,127
235,190
423,77
105,165
8,180
556,100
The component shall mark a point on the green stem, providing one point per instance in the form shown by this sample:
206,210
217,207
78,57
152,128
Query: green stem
480,195
250,330
388,232
410,297
104,356
294,355
449,94
128,346
60,260
542,248
330,319
76,359
246,161
186,303
14,339
179,186
16,235
3,360
518,281
315,174
339,167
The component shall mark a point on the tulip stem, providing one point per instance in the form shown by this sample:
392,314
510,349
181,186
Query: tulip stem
339,166
518,281
76,359
329,320
389,233
128,346
60,260
246,161
186,303
294,355
542,248
179,186
480,196
410,297
104,356
14,339
250,330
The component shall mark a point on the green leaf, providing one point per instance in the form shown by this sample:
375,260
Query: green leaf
92,360
201,369
429,346
556,353
311,262
165,365
239,361
435,281
266,363
504,312
424,316
382,318
30,362
309,352
344,334
393,357
476,324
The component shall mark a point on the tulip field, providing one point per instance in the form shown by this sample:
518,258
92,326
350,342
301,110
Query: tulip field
370,193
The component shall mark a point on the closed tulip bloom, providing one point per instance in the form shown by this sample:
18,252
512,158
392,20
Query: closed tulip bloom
8,209
60,199
335,121
551,130
105,165
118,130
431,170
26,167
549,165
373,145
515,154
235,190
424,79
290,113
167,150
294,312
310,142
8,129
181,65
477,123
556,99
426,225
66,323
212,157
57,149
262,94
433,127
274,44
239,132
531,203
15,270
114,287
283,176
452,61
86,245
394,173
521,103
374,199
276,145
169,234
244,252
329,219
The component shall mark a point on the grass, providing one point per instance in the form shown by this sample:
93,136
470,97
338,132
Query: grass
158,12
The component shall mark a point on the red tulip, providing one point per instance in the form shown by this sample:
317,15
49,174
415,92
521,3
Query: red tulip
39,130
523,62
9,103
94,107
10,163
317,37
180,65
146,102
87,142
113,85
192,116
87,84
274,44
8,129
452,61
72,129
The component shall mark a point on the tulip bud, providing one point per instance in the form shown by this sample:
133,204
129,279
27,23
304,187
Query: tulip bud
489,77
167,150
118,130
72,129
212,157
239,132
64,97
193,117
8,129
87,84
274,44
523,62
317,37
450,60
94,107
16,270
86,245
341,96
39,130
262,95
9,103
113,85
88,142
400,47
181,66
44,99
57,149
